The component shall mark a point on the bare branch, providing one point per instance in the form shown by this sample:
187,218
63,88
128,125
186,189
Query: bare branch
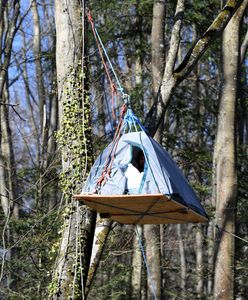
206,40
170,81
13,107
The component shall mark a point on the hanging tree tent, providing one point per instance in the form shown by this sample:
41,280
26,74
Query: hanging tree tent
158,193
163,195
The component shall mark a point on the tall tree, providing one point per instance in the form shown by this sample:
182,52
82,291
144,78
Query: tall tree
225,160
9,14
72,264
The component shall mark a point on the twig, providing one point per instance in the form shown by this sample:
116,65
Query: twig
4,245
13,107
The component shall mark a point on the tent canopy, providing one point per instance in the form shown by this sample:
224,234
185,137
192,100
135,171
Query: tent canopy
161,175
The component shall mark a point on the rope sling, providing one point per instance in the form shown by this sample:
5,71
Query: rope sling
127,122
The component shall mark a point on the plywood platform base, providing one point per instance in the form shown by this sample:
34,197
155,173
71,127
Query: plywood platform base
141,209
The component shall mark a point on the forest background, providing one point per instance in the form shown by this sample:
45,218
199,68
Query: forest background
184,65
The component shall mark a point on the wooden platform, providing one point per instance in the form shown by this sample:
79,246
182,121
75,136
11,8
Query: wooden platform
141,209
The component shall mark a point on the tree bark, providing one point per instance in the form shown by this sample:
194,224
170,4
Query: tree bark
158,43
225,161
102,229
151,234
199,263
71,269
38,68
210,258
9,13
182,259
137,264
43,122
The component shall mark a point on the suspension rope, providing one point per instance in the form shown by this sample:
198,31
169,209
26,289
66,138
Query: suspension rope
146,263
112,85
111,154
131,118
96,34
102,50
118,135
109,61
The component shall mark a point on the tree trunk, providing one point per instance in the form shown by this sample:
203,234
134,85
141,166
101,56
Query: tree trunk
151,234
29,98
71,269
225,161
102,229
9,13
158,44
8,156
39,74
182,259
210,258
43,132
100,110
199,262
137,264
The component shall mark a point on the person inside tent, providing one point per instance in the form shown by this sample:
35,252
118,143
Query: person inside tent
135,171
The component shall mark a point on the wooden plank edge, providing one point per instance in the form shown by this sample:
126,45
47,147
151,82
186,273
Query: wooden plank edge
184,208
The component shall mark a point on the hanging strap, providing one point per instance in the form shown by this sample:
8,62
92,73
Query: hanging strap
102,50
97,39
131,121
127,121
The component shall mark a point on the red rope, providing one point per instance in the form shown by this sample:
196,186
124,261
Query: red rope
108,164
112,85
118,135
106,173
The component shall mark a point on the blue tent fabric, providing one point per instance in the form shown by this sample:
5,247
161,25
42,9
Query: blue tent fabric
161,174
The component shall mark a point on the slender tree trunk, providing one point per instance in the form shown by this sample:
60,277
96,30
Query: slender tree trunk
225,161
137,264
158,55
8,154
158,44
199,263
182,259
38,65
210,258
100,111
139,60
52,153
9,13
43,134
151,234
102,229
29,97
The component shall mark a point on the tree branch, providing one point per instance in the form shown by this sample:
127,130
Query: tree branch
13,107
214,31
170,81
